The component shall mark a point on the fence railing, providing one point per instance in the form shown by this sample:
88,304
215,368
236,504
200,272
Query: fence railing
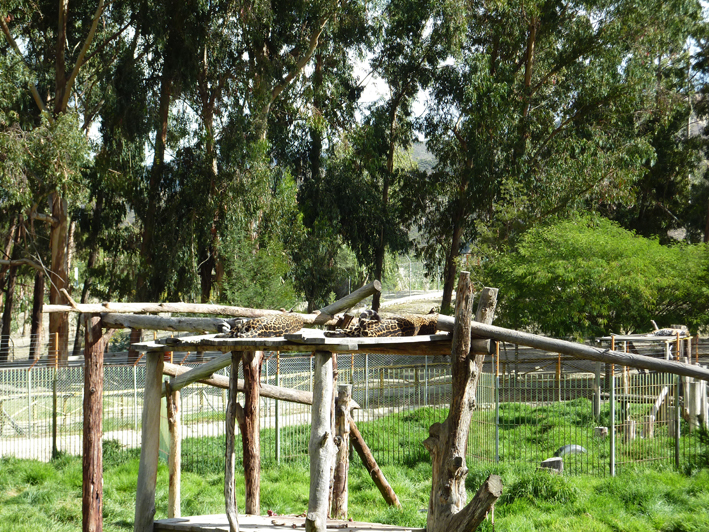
618,417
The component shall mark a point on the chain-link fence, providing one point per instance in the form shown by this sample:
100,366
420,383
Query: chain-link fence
530,406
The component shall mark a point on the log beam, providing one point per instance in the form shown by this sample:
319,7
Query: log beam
365,454
588,352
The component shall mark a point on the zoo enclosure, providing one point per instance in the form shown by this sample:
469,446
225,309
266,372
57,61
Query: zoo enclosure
530,404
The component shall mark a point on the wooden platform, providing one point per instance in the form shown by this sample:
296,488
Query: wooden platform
248,523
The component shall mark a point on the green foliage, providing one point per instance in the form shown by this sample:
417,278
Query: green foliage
258,278
588,276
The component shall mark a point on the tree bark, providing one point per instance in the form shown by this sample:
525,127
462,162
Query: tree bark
338,508
448,441
92,484
37,324
9,301
175,458
248,418
450,268
59,323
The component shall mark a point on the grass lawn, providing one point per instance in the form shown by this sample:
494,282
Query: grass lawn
47,496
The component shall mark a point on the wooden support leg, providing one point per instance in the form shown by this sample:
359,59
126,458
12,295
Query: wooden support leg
232,511
447,442
92,484
321,447
150,445
248,418
175,458
338,509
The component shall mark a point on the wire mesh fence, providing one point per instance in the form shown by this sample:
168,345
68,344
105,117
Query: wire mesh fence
599,419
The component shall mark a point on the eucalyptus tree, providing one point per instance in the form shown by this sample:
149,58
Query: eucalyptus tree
362,182
541,113
62,52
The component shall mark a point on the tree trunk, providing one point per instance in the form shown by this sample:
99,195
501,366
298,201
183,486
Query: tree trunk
448,441
143,288
449,270
248,418
37,322
9,301
59,322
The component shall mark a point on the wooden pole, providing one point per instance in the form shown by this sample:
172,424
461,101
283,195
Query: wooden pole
447,441
266,390
370,463
321,447
150,444
248,418
92,481
338,509
232,511
175,457
588,352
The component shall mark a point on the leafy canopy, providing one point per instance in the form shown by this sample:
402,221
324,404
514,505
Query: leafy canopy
587,275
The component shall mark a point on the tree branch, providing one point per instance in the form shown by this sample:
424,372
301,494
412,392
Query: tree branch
300,65
33,89
82,54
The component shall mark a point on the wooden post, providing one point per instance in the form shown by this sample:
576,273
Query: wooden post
92,482
370,463
248,418
338,509
232,510
150,444
321,447
175,457
447,441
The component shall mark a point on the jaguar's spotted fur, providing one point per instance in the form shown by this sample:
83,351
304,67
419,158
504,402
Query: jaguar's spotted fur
267,326
370,324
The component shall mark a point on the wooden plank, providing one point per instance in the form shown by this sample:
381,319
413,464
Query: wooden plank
366,341
213,523
150,443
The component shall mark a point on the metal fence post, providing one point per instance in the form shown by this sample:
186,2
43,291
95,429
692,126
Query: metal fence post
29,402
611,399
366,381
497,401
677,420
425,380
135,400
278,409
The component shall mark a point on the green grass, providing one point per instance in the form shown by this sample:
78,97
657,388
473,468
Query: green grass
37,496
